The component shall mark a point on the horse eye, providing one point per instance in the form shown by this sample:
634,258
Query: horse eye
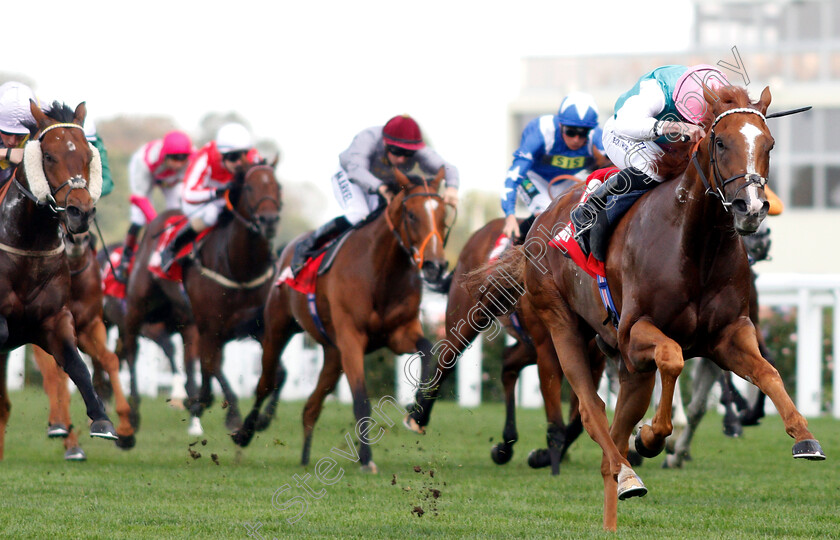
411,216
719,144
48,157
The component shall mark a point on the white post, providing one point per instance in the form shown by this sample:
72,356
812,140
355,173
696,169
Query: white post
528,388
808,355
405,384
469,376
835,353
15,369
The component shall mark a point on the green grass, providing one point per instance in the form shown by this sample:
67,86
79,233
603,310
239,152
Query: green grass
747,488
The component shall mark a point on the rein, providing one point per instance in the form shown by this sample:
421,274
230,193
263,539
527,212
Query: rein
717,190
414,253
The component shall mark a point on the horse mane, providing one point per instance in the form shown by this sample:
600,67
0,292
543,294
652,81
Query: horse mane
58,111
677,155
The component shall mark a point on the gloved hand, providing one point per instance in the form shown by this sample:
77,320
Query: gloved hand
219,192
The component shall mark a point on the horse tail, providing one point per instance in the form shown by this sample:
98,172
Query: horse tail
498,285
443,285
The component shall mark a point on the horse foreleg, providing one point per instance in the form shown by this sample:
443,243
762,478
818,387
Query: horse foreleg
647,344
61,343
189,336
92,341
737,350
55,386
327,379
514,359
730,399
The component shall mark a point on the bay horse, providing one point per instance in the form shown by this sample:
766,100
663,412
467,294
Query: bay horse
86,307
60,180
680,279
533,346
225,281
369,299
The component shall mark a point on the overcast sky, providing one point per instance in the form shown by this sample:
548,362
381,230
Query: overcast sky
311,74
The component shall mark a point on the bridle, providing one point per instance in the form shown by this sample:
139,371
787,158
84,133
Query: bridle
251,223
75,182
716,190
417,254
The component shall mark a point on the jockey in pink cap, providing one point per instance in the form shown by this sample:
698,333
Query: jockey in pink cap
159,163
665,105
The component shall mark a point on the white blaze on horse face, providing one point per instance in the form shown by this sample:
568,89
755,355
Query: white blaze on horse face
751,133
431,205
71,146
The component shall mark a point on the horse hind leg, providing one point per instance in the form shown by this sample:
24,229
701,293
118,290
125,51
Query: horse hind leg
516,357
730,399
703,377
327,380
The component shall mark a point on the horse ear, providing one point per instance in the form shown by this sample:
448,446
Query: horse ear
79,115
435,184
275,161
41,120
711,98
402,179
764,100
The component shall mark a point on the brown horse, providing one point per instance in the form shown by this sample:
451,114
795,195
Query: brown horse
225,281
680,278
462,327
60,180
86,307
369,299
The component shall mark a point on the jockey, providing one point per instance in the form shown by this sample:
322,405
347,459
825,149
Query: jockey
158,163
206,180
366,173
542,156
14,115
665,105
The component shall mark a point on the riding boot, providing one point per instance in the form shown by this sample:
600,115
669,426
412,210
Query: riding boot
130,244
592,218
309,244
182,238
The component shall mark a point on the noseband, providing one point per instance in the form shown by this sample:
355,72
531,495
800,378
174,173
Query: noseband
251,224
720,184
416,254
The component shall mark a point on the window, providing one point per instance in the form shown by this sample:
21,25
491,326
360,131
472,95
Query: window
802,194
832,180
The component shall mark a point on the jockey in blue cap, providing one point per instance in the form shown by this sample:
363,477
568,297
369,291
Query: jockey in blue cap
552,145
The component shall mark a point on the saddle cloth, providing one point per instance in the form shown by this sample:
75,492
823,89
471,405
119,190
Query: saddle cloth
171,227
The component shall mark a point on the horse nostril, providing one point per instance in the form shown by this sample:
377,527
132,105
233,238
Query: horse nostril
740,206
73,212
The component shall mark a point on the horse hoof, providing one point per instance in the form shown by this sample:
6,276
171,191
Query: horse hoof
629,484
126,442
241,438
672,462
233,423
647,452
262,423
501,453
103,429
808,449
134,419
57,431
195,428
750,419
539,458
733,429
75,454
370,468
412,425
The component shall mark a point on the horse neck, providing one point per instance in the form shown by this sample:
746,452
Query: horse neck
25,225
248,254
706,232
387,256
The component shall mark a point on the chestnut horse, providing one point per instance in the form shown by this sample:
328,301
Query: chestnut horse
680,279
86,307
225,281
60,179
533,346
369,299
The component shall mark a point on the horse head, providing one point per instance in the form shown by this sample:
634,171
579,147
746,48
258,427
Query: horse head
255,198
737,148
417,216
758,243
62,169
